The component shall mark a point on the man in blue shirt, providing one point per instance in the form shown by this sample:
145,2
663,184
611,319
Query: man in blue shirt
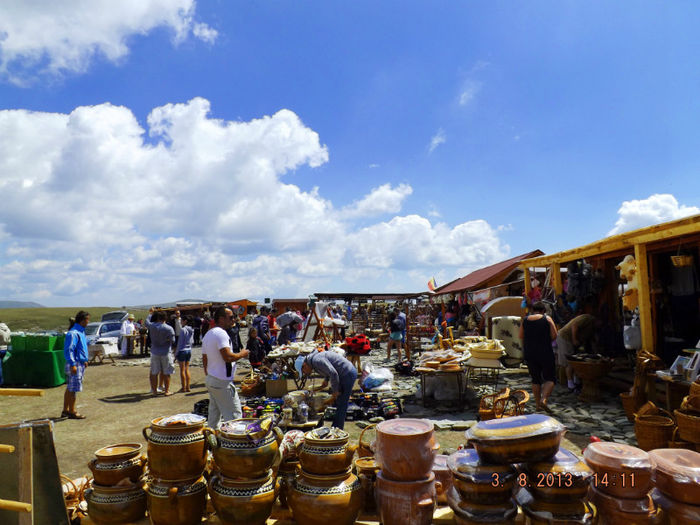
162,358
75,351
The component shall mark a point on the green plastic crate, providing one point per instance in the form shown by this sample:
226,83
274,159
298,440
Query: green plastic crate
41,343
60,342
18,342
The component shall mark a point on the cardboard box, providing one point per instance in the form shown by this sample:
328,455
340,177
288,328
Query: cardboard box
276,387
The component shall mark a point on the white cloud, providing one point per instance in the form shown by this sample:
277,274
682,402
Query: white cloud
658,208
46,37
95,214
436,140
373,166
383,199
468,92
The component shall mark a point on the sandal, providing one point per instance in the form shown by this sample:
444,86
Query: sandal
64,413
166,394
75,415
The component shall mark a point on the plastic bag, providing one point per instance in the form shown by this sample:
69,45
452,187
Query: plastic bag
377,377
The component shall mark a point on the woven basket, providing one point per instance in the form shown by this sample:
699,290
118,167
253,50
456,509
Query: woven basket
688,426
682,260
654,431
629,405
676,442
695,388
364,450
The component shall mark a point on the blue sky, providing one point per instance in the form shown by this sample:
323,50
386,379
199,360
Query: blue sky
162,149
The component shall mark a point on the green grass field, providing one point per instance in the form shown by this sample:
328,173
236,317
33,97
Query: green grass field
37,319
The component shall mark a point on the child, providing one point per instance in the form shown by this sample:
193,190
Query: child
184,352
256,347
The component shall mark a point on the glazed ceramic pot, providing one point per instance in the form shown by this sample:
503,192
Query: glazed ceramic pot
614,511
285,475
406,502
540,512
176,452
406,449
564,478
675,512
325,500
444,476
116,462
676,473
179,503
516,439
367,469
470,513
326,456
477,482
242,501
238,456
619,470
112,505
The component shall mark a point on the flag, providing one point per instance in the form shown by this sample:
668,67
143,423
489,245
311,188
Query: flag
432,284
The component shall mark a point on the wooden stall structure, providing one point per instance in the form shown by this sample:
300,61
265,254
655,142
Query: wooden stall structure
295,305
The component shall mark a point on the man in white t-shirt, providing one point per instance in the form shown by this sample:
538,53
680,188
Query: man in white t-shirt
127,328
220,366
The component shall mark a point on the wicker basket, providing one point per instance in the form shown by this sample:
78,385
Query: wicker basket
682,260
654,431
695,388
629,405
688,427
676,442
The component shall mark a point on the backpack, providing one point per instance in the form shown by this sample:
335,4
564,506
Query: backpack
397,325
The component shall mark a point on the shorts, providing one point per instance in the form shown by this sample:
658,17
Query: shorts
564,350
162,364
184,356
541,368
74,382
396,336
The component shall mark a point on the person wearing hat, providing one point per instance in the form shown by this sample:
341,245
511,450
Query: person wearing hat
337,370
127,328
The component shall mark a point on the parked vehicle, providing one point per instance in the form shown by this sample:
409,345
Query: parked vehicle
100,330
116,315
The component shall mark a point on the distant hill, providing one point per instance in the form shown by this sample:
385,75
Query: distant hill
171,304
20,304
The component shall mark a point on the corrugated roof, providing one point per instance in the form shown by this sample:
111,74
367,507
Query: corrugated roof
476,279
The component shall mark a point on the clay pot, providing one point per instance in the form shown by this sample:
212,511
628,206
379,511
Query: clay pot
676,473
479,483
179,503
285,475
564,478
406,502
325,500
614,511
116,462
112,505
444,476
619,470
406,449
176,452
516,439
242,501
326,456
237,456
367,469
675,512
540,512
470,513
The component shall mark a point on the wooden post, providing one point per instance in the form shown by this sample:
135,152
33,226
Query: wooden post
26,479
644,294
556,278
21,392
6,449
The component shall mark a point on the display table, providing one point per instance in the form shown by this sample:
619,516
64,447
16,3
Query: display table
457,374
103,349
34,368
676,389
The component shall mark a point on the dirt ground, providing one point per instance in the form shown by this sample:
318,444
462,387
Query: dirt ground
117,402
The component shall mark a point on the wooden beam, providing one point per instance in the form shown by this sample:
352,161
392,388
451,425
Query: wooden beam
15,506
528,284
556,279
21,392
6,449
25,473
644,294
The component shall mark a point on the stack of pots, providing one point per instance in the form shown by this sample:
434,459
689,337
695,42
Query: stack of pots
177,453
517,460
325,491
676,475
242,489
621,484
116,495
406,489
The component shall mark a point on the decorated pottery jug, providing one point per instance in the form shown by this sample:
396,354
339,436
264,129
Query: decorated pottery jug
115,505
114,463
176,452
176,503
242,501
325,500
326,456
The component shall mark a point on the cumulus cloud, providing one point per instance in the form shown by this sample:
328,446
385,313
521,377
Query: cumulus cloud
98,209
436,140
658,208
383,199
46,37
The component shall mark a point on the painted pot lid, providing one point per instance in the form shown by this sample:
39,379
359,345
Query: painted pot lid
564,462
683,465
405,427
465,464
616,456
179,420
515,427
119,451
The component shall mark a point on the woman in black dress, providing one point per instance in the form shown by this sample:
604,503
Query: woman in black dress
537,331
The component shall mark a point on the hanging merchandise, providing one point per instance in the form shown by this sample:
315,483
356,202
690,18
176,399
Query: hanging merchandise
580,279
632,335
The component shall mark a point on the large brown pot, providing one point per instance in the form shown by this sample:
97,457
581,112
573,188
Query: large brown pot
237,456
676,473
406,502
563,478
285,476
470,513
116,462
242,501
481,483
113,505
326,456
620,470
176,452
180,503
367,469
325,500
406,449
444,476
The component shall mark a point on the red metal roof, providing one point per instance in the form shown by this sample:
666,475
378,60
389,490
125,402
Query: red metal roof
476,279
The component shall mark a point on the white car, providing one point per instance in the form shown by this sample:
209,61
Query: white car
101,330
